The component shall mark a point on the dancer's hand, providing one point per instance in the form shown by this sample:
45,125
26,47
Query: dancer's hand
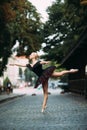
47,62
73,70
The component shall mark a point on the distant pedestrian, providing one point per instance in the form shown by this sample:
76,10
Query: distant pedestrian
43,74
8,87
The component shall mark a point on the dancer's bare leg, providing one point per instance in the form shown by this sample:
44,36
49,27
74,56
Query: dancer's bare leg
45,92
58,74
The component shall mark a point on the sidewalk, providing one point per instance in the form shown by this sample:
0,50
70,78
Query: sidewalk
6,97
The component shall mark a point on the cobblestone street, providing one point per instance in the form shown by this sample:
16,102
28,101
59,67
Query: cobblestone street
64,112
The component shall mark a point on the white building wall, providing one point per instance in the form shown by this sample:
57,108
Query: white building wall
12,72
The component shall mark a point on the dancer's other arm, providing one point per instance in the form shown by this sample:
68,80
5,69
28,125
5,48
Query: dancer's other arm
44,62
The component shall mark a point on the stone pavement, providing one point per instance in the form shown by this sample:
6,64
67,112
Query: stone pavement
64,112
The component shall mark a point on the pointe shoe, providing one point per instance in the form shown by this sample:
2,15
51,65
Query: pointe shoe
74,70
42,110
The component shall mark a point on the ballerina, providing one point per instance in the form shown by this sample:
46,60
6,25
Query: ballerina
43,74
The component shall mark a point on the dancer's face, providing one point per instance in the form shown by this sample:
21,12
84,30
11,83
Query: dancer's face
33,55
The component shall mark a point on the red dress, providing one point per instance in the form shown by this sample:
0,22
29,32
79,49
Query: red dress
43,74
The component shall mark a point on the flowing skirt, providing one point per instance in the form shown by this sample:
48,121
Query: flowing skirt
45,76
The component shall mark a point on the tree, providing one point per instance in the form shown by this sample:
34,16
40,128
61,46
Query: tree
29,75
67,20
19,20
6,80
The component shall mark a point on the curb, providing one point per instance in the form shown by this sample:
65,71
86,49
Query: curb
10,98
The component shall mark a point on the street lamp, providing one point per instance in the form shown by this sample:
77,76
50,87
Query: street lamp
83,2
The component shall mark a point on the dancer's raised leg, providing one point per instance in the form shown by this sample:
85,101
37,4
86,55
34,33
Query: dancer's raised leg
58,74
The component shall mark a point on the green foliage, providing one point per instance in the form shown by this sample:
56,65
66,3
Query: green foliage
20,21
67,20
28,75
6,80
20,72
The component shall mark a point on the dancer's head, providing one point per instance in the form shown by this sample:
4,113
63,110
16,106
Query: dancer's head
33,55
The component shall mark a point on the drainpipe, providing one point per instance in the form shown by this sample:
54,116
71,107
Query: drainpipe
86,81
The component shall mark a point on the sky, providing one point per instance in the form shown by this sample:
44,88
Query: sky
41,6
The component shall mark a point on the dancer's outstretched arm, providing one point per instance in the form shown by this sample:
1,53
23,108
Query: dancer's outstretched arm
17,65
19,57
58,74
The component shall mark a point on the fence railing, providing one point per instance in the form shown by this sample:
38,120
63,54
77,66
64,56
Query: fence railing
78,86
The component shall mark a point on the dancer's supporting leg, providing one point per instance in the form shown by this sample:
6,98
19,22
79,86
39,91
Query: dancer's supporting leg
45,92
